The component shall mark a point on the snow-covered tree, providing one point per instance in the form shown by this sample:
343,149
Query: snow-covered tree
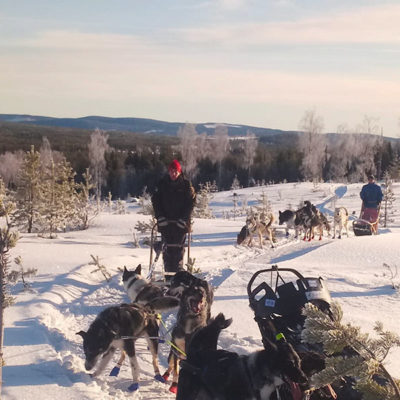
203,198
8,240
219,148
85,209
364,362
10,164
250,147
29,189
264,205
98,146
193,147
235,183
388,199
312,144
57,205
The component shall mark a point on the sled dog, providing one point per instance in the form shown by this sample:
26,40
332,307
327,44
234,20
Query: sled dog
259,225
340,221
193,313
310,218
138,288
288,217
182,280
209,373
118,327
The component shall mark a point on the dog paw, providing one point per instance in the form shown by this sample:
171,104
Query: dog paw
115,371
174,388
159,378
133,387
166,376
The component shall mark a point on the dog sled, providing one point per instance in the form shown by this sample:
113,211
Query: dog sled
281,301
157,246
363,226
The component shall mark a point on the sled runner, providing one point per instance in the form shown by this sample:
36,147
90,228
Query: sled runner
157,246
363,226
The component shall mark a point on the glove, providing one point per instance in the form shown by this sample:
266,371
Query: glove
181,223
162,221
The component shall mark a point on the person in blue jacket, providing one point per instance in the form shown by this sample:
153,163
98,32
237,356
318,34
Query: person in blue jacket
371,196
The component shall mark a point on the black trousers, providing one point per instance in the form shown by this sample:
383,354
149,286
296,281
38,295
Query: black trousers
173,239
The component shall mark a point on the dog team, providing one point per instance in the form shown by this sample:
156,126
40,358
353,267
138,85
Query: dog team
206,373
307,219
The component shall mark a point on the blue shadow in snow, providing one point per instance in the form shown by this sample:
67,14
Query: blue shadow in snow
214,239
379,291
217,280
295,254
224,298
41,373
26,333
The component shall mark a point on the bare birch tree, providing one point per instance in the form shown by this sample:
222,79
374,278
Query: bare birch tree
10,164
312,144
98,147
193,147
219,148
250,147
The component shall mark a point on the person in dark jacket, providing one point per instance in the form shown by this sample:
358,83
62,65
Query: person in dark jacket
173,202
371,195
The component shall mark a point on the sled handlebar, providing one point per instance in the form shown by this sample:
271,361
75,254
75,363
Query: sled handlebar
274,268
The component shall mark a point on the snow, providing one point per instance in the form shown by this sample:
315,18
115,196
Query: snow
44,356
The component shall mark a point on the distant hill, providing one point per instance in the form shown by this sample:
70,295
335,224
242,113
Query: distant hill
137,125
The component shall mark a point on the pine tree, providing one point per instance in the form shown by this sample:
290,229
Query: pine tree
264,204
85,209
388,198
364,362
203,198
8,240
235,184
28,190
57,206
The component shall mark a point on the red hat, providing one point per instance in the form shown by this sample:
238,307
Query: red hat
175,165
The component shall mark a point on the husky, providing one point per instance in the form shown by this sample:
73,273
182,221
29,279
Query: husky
143,292
310,218
340,220
288,217
183,280
118,327
138,288
259,225
211,374
193,313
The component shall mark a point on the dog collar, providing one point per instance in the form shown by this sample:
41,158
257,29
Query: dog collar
280,336
132,282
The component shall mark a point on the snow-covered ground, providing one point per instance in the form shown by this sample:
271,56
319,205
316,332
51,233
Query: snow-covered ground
44,356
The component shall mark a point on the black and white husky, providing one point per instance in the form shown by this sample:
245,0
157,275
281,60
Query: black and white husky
118,327
288,217
139,289
209,374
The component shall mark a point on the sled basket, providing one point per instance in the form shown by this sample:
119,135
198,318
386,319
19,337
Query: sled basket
362,227
287,296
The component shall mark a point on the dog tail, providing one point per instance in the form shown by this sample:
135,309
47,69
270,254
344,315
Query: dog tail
165,303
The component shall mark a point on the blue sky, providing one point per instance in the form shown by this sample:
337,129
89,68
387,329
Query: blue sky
256,62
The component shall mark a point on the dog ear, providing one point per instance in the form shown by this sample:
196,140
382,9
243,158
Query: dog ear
81,333
125,269
138,269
